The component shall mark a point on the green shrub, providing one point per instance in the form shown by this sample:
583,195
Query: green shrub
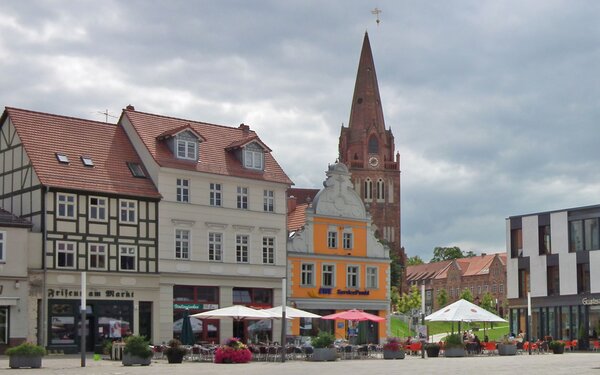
137,346
322,340
556,344
454,341
107,347
26,349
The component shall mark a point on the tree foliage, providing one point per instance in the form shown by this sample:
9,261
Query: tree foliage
488,303
396,267
449,253
466,295
394,296
414,261
442,298
410,300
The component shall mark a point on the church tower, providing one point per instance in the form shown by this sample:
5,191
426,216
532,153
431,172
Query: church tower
367,148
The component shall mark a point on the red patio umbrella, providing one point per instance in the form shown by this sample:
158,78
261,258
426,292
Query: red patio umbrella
354,315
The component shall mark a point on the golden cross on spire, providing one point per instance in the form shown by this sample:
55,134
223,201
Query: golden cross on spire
376,12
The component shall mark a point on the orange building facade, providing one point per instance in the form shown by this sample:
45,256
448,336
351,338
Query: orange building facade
335,263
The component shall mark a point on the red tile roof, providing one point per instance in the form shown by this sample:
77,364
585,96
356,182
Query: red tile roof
43,135
302,194
426,270
297,217
477,265
214,157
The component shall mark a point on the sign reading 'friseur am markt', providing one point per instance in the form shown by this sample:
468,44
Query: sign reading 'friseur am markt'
109,293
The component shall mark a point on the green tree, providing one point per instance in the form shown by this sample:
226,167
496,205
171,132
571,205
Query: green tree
466,295
394,296
446,253
487,302
410,300
414,261
396,266
442,298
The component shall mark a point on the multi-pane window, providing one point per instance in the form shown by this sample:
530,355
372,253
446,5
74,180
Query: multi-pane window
127,258
372,277
268,250
182,244
307,274
97,256
98,207
215,247
268,200
583,278
352,277
241,248
242,197
65,206
183,190
2,246
544,239
332,239
253,156
65,254
127,211
216,191
187,146
328,276
501,288
584,235
347,241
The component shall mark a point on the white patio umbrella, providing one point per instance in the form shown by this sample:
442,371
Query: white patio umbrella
196,325
291,312
235,312
463,311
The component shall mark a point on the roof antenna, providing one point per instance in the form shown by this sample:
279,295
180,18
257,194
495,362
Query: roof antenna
376,12
106,114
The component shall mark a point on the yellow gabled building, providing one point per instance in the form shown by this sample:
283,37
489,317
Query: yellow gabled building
335,263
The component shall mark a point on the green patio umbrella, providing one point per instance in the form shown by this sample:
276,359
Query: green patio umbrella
187,334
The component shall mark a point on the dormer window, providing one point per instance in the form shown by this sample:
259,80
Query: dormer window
253,156
186,146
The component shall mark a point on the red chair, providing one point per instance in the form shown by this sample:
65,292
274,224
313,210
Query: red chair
489,347
568,345
573,345
595,345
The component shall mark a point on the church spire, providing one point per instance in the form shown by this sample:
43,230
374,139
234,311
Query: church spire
366,104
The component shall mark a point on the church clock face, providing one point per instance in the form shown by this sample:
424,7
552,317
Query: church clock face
373,161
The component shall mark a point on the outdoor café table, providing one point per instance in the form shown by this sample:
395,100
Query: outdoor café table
117,350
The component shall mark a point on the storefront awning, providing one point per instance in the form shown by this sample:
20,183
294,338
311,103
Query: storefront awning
9,301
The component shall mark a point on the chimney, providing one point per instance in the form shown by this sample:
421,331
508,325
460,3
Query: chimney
291,204
130,107
244,127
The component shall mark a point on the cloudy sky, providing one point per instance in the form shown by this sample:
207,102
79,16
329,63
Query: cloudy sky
494,104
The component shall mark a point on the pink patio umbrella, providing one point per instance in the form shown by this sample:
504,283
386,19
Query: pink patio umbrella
354,315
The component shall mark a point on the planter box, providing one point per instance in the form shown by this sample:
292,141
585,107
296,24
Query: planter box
393,354
432,352
176,357
454,352
324,354
129,360
558,349
19,361
507,349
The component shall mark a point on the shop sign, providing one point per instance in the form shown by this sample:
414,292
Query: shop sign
590,301
195,306
76,293
353,292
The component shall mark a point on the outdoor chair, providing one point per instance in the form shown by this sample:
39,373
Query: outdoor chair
595,345
489,348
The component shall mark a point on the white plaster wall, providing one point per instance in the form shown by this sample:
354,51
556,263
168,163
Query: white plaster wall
568,273
530,236
595,271
559,233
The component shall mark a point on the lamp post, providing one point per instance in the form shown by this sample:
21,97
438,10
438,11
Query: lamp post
283,321
529,321
83,307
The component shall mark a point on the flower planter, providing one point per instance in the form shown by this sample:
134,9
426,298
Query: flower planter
176,357
454,352
324,354
393,354
130,360
558,349
19,361
432,352
507,349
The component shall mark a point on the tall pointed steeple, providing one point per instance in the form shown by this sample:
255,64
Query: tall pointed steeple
366,104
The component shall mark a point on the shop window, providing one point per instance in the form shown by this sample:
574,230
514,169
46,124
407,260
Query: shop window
183,293
253,296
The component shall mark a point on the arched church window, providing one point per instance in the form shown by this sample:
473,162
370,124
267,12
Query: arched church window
368,189
380,190
373,145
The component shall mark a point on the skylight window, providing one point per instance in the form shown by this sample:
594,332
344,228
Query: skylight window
87,161
62,158
136,170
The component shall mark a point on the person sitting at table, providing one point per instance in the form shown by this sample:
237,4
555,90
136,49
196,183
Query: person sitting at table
477,344
465,336
520,336
486,338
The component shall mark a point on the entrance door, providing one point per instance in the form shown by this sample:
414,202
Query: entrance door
90,337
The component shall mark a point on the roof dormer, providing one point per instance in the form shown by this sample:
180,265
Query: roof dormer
250,152
184,142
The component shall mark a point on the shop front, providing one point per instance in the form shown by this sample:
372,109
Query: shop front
112,313
564,318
